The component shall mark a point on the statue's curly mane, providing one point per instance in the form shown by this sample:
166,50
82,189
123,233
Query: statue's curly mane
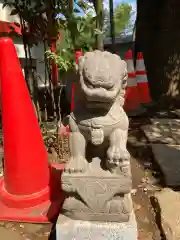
102,75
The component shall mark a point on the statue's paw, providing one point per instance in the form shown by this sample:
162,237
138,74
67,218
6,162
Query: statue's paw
76,165
117,157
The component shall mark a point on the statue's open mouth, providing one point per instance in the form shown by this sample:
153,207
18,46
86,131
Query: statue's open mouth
97,103
98,84
99,92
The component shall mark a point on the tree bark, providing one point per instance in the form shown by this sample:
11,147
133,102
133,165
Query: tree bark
158,36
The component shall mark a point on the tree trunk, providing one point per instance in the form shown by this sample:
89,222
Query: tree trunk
158,37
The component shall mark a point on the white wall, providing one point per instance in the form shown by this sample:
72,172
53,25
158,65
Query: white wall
5,14
38,53
6,17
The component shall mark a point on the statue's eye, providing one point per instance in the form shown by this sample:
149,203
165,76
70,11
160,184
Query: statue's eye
124,81
88,83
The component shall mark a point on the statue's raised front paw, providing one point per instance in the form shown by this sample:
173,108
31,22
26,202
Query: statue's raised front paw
76,165
117,157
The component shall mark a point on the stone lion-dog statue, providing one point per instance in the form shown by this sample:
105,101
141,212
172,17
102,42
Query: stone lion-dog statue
98,115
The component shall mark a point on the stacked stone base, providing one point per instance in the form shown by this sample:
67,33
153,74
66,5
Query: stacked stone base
98,205
68,229
97,194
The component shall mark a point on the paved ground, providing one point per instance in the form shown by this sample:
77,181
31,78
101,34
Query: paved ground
164,139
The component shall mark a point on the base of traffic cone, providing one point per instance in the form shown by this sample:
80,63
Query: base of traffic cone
137,112
38,214
149,104
42,207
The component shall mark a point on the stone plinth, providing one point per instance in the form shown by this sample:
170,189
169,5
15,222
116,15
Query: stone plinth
68,229
169,216
97,194
168,158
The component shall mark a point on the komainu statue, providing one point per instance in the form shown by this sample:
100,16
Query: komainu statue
97,179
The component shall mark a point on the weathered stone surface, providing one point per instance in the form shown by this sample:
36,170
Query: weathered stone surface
97,178
163,131
167,204
98,116
98,194
165,121
177,112
164,134
67,229
168,158
158,133
175,130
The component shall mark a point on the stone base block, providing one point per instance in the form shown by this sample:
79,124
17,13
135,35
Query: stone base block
68,229
98,194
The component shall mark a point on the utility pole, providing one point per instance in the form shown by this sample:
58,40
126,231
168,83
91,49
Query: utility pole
99,23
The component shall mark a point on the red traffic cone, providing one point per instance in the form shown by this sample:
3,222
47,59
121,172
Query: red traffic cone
26,190
142,81
132,102
77,55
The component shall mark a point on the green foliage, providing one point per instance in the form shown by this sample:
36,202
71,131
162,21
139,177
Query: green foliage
38,18
39,24
64,56
82,37
84,32
79,29
77,32
122,16
64,63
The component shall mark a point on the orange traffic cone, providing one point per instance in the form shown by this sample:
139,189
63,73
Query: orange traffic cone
132,102
142,81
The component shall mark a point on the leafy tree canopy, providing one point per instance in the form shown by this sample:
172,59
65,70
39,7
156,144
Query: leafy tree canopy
122,18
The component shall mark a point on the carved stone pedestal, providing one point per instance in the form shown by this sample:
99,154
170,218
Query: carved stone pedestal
68,229
97,194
